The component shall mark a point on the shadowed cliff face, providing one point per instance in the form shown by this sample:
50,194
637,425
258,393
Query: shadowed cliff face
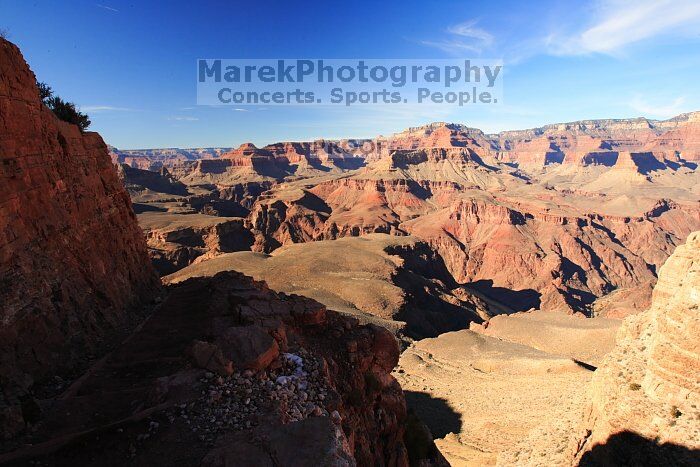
629,448
73,263
227,372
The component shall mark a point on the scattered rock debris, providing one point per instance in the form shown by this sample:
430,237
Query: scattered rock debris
296,388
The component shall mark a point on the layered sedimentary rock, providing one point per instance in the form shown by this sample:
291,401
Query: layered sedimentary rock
650,383
177,240
286,216
73,262
564,262
155,159
223,370
439,135
137,180
555,218
673,140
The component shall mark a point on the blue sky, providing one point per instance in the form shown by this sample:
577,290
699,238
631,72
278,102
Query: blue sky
132,65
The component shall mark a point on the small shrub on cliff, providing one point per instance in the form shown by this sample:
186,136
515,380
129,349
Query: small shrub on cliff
4,33
66,111
45,92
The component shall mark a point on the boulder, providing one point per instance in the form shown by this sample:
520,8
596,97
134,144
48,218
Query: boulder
249,347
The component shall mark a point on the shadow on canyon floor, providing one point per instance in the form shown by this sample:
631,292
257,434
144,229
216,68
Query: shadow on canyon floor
516,300
435,412
631,449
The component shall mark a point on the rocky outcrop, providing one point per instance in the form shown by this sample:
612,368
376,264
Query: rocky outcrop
554,218
587,142
315,154
397,282
439,135
643,401
137,180
286,216
177,240
73,263
650,383
597,141
231,373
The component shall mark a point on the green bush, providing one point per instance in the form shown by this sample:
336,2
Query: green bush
66,111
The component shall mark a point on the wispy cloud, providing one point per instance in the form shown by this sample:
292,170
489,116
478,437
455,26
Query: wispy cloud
617,24
238,109
105,7
463,37
104,108
183,119
648,109
469,29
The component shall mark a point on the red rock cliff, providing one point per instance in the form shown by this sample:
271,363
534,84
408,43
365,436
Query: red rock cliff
72,257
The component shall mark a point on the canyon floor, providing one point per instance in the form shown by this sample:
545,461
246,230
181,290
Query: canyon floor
481,391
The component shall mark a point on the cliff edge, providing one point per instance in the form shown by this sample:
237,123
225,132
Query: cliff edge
74,268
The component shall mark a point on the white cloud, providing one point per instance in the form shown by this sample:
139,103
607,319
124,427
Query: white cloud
617,24
648,109
452,46
238,109
463,37
103,108
469,29
105,7
183,119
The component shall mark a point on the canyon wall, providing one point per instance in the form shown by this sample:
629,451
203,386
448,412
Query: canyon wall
73,260
645,398
642,405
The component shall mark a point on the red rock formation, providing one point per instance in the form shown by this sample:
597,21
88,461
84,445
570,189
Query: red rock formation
319,152
295,216
176,241
440,135
73,261
590,198
564,262
677,139
154,159
681,141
